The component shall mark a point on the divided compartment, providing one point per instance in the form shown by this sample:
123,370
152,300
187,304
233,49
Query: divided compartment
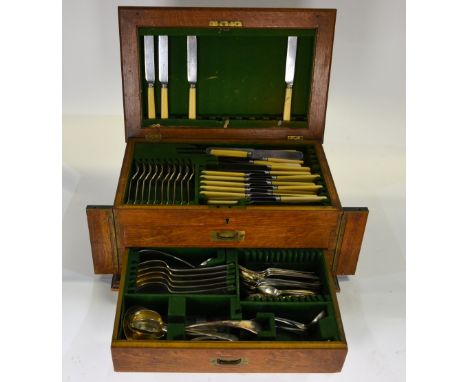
170,173
179,310
301,309
176,309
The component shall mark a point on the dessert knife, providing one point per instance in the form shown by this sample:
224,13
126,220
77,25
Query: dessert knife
192,74
150,75
291,156
289,76
163,74
266,198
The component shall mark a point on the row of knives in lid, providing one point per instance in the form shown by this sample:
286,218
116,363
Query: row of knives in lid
163,61
163,48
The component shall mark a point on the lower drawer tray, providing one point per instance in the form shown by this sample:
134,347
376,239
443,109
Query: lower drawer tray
227,314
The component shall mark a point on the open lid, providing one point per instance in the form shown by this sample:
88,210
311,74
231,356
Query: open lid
237,73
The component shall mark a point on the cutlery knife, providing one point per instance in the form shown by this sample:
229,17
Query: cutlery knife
295,178
257,183
267,198
251,188
192,74
272,166
150,75
163,74
289,76
291,156
233,172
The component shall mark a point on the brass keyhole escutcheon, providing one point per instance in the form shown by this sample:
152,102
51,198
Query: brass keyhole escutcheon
227,220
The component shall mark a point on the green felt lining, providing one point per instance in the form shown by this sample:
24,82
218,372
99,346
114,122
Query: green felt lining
180,310
181,153
240,76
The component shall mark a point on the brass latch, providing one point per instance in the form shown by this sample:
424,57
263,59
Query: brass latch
153,137
295,138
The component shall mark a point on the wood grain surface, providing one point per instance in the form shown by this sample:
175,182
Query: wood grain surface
102,238
350,238
320,360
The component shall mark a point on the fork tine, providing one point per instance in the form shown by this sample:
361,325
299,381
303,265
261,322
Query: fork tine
179,174
156,183
167,172
173,171
153,177
149,170
143,164
182,184
135,173
192,172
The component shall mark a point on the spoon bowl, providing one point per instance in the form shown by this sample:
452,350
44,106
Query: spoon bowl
143,324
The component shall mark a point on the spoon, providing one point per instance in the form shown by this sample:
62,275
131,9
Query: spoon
298,327
136,314
270,290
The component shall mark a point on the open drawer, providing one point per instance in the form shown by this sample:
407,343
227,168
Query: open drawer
272,348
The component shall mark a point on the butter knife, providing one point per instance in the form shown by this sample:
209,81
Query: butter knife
289,76
150,75
192,74
163,61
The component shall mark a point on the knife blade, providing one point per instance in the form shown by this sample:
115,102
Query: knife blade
289,76
163,74
150,75
192,74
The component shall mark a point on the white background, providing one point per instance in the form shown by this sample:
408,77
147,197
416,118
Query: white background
364,143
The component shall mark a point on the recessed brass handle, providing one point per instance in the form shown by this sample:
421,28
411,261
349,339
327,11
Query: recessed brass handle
228,361
227,235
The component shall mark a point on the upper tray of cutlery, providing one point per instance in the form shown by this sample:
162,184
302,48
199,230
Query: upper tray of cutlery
183,174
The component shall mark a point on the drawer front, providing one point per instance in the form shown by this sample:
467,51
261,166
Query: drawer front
226,228
327,359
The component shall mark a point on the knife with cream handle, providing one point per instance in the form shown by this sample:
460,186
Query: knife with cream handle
163,61
192,74
289,76
150,75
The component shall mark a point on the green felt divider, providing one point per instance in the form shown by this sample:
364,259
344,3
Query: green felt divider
195,155
220,121
240,74
180,310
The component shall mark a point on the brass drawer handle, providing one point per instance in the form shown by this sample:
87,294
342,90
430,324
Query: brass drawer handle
227,235
229,362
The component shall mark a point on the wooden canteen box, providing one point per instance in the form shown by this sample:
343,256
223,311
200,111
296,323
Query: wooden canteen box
195,79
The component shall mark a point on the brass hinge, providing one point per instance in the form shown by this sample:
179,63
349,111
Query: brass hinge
295,138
